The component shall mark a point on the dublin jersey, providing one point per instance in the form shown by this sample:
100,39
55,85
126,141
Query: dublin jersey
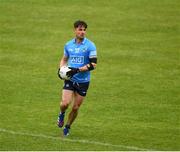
78,55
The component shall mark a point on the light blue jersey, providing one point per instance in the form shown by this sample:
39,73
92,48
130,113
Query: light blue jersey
78,56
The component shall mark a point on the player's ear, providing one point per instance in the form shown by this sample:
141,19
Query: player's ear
75,29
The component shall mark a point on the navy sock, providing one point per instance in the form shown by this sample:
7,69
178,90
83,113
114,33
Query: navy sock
67,126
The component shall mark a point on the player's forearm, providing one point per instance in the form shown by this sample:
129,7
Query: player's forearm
63,62
85,67
90,66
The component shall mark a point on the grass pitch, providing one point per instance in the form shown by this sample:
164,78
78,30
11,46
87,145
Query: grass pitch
133,100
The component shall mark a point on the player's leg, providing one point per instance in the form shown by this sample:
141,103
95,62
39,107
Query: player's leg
78,100
66,99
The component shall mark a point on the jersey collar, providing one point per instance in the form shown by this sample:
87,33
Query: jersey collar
83,42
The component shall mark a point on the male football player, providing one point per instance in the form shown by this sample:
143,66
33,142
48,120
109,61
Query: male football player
81,57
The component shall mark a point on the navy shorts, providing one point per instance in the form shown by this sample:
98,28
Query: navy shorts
80,88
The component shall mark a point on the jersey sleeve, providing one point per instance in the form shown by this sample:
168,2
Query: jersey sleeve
66,54
92,51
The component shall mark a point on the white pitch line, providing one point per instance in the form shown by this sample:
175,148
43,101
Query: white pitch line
72,140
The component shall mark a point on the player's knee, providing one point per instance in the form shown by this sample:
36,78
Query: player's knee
75,108
64,104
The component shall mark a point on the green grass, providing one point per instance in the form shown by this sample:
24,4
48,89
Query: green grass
133,100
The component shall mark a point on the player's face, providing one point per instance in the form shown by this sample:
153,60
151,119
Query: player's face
80,32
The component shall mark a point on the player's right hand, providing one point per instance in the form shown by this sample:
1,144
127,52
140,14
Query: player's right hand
59,74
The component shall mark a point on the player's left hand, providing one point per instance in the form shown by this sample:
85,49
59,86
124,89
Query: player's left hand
72,72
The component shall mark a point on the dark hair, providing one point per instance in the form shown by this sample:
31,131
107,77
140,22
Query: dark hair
80,23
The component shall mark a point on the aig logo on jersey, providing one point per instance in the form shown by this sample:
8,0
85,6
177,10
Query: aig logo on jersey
77,59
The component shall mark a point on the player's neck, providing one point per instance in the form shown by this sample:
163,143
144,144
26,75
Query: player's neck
79,40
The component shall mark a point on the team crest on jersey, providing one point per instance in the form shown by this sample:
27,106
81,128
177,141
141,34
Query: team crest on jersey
84,49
